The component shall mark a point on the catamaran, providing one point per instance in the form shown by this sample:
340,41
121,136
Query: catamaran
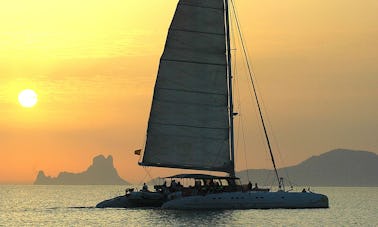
191,122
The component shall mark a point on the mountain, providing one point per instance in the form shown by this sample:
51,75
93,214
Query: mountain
340,167
101,172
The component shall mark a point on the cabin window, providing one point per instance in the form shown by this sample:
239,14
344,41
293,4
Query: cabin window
223,182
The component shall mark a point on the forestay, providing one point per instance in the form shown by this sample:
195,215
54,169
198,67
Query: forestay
189,121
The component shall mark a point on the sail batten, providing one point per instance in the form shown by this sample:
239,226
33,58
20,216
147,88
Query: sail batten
193,62
194,31
211,168
211,4
188,126
189,103
198,6
190,91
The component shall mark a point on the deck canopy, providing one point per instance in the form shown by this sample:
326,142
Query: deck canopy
201,176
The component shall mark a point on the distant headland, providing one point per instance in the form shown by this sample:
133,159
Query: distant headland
339,167
101,172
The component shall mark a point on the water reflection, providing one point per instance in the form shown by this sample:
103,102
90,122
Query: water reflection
177,218
74,206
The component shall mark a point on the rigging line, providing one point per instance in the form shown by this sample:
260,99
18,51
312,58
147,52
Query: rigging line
149,175
275,142
261,137
257,100
257,117
255,111
242,126
240,120
239,105
245,152
280,155
144,177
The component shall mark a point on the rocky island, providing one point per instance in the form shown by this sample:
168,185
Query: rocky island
101,172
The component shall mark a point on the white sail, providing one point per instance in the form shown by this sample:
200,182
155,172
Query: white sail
189,119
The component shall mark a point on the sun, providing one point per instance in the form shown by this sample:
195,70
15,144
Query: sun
27,98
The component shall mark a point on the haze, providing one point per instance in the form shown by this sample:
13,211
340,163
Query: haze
94,65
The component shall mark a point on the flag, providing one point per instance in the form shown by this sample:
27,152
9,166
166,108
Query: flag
137,152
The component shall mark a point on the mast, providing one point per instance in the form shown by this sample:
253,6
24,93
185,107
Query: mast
231,107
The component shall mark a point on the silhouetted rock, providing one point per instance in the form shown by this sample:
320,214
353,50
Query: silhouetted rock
42,178
340,167
101,171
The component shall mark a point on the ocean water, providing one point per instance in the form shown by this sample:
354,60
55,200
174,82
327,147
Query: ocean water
32,205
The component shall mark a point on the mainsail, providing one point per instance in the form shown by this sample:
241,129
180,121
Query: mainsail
189,120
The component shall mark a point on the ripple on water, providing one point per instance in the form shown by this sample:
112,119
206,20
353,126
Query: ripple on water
23,205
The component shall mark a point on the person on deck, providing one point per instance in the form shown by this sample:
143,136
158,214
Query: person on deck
145,187
249,185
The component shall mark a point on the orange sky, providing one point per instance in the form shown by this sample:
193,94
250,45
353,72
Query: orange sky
94,64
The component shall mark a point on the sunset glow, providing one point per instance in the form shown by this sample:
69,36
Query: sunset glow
92,65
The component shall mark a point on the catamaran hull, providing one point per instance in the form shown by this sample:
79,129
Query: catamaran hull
249,200
133,200
117,202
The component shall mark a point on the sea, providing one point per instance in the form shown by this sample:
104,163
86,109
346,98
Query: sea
57,205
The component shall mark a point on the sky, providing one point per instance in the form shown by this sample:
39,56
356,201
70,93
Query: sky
93,65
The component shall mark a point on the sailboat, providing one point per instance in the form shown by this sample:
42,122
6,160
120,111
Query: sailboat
191,119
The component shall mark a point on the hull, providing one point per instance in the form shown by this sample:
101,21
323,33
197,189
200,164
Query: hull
249,200
134,199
